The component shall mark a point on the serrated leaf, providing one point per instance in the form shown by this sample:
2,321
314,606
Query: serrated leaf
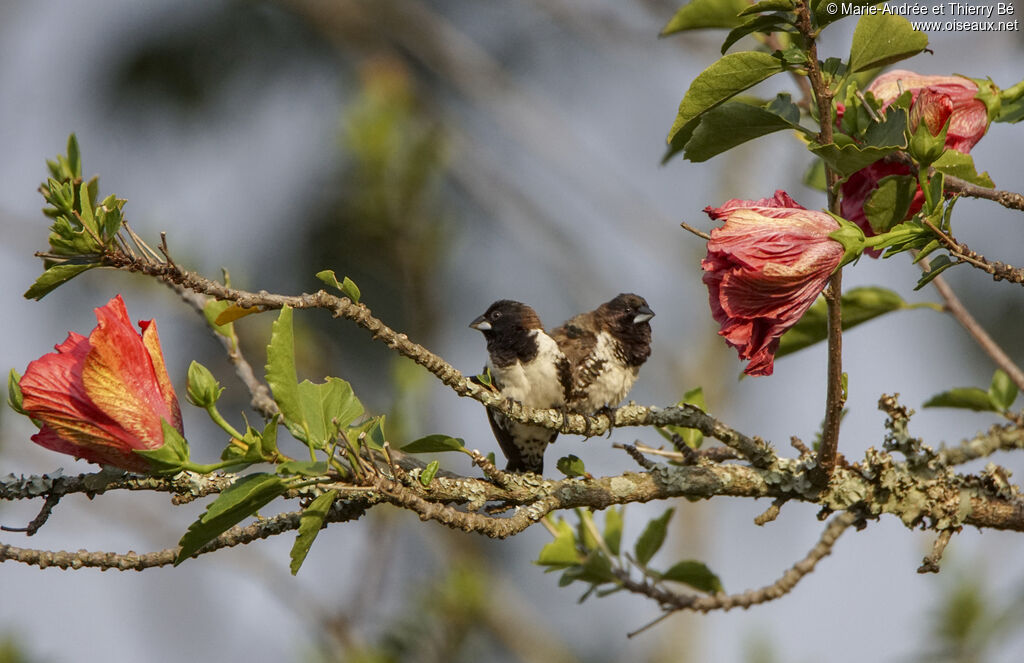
613,529
859,305
234,312
700,14
310,523
652,538
326,408
848,159
239,501
961,165
571,466
718,83
561,552
434,444
733,123
881,39
967,398
695,574
889,203
54,277
280,369
1002,392
427,475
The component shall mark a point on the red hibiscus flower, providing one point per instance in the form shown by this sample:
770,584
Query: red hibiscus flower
936,99
100,397
764,269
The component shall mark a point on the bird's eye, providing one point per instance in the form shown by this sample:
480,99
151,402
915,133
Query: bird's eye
495,315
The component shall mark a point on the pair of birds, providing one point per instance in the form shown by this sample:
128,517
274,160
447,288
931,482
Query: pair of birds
586,365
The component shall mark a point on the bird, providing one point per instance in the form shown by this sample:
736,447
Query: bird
605,349
526,366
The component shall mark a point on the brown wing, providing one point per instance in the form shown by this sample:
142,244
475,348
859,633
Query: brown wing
577,339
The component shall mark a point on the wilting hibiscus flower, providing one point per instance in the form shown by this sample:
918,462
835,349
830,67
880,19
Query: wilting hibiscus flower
936,99
101,397
764,269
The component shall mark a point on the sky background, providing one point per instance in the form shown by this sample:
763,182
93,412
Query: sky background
228,125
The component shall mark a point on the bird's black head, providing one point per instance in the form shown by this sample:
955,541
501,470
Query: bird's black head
506,316
627,318
507,326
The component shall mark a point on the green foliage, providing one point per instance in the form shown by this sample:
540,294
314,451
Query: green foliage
14,397
1001,394
961,165
887,206
83,229
172,456
347,287
434,444
858,304
427,475
695,574
313,413
736,122
652,538
881,39
203,389
571,466
310,523
700,14
241,499
715,85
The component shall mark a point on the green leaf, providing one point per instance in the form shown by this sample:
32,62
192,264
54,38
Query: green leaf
310,523
239,501
347,287
882,39
733,123
303,468
55,276
1011,104
888,204
1002,392
814,176
613,529
724,79
848,159
652,538
434,444
212,310
700,14
74,158
595,569
571,466
768,6
326,408
427,475
171,456
961,165
938,265
968,398
561,552
14,397
369,433
859,305
764,24
281,375
692,437
86,215
695,574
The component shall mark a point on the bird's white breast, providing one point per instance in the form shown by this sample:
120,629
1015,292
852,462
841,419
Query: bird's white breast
535,383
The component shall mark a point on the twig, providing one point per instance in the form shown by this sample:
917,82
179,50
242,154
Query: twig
672,601
637,456
39,520
771,513
1000,271
699,233
930,564
977,332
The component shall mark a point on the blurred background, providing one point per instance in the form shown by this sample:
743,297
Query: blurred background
445,154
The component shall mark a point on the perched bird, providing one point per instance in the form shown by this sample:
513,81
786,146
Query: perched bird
526,366
605,348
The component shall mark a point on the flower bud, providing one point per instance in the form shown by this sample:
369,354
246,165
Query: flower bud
203,388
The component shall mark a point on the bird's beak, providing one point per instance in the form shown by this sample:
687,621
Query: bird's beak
643,314
480,324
